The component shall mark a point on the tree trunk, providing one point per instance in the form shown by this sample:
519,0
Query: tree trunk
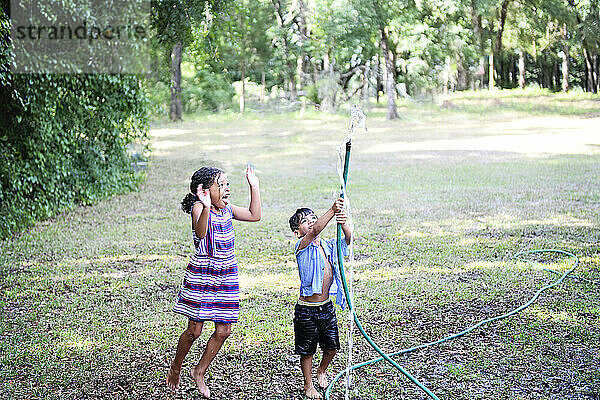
481,71
565,68
511,71
300,71
594,13
291,68
304,58
505,71
243,94
551,71
477,23
447,75
378,84
315,71
565,60
548,71
499,33
521,69
175,109
364,94
390,82
263,87
293,90
491,77
394,63
328,87
462,79
591,84
503,12
477,27
542,65
597,73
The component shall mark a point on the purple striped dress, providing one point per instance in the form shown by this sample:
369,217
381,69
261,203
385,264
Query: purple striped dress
210,290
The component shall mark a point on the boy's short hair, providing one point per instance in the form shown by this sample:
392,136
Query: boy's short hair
297,217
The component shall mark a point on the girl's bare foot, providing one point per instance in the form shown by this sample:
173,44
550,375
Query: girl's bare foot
173,379
322,379
199,379
312,393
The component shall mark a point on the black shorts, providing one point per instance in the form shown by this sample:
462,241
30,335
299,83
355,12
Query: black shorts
315,324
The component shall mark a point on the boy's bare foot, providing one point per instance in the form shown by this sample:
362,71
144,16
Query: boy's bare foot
173,379
322,380
199,379
312,393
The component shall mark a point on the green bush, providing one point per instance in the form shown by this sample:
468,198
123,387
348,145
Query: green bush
202,91
207,91
159,96
312,94
63,139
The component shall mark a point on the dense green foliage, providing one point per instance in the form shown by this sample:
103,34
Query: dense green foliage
202,90
206,53
64,139
331,51
206,90
176,24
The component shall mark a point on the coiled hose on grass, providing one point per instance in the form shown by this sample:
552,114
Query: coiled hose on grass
388,357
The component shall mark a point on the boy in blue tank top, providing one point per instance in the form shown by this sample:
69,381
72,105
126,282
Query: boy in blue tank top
318,267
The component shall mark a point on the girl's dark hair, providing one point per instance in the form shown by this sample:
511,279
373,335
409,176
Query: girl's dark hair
205,176
297,217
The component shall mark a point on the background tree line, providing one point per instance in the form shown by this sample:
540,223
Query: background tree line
66,139
328,51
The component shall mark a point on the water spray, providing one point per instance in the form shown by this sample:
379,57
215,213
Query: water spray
357,121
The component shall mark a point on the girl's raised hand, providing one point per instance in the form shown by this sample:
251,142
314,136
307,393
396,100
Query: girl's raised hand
251,176
203,196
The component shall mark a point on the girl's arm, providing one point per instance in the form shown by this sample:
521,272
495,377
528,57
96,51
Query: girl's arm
341,219
253,212
200,213
321,223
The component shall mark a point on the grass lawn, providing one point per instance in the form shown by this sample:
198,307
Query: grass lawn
441,200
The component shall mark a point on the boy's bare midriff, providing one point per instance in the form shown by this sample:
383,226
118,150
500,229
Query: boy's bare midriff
327,280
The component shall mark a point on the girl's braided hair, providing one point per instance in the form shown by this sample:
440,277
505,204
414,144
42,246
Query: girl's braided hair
205,176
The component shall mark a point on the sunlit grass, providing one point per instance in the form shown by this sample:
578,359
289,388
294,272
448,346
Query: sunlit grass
441,201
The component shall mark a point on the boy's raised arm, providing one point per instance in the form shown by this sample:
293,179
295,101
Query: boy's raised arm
341,218
321,223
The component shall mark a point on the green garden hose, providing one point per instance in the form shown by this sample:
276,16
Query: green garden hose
387,357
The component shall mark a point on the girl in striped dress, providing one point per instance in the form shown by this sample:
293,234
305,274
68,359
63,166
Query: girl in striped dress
210,289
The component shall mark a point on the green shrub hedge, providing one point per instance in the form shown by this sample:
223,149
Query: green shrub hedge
64,139
206,91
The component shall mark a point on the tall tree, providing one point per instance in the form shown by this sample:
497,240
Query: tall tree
283,40
173,21
379,15
390,81
587,15
341,46
242,42
565,59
